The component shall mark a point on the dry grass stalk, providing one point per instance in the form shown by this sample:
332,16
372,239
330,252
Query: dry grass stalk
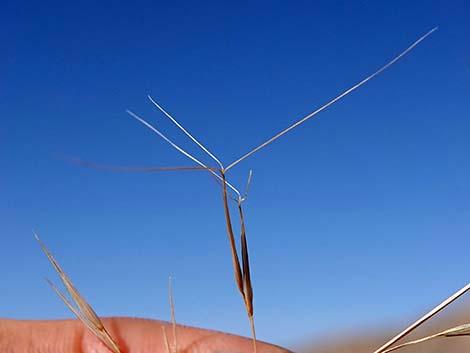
173,316
89,164
82,310
174,347
458,331
242,276
242,273
165,340
421,320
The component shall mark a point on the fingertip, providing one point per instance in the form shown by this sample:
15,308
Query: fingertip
132,336
146,336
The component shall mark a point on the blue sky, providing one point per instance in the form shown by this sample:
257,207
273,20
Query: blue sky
358,218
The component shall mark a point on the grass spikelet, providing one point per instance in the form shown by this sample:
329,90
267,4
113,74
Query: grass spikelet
233,248
82,310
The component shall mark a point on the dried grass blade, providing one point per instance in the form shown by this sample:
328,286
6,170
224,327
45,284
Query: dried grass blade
461,330
333,101
83,311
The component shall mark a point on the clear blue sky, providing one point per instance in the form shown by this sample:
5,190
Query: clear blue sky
359,217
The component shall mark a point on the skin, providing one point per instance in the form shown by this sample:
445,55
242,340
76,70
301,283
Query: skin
132,336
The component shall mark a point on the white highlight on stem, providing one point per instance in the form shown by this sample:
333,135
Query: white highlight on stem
186,131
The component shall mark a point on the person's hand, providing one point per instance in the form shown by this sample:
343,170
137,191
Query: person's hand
132,336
